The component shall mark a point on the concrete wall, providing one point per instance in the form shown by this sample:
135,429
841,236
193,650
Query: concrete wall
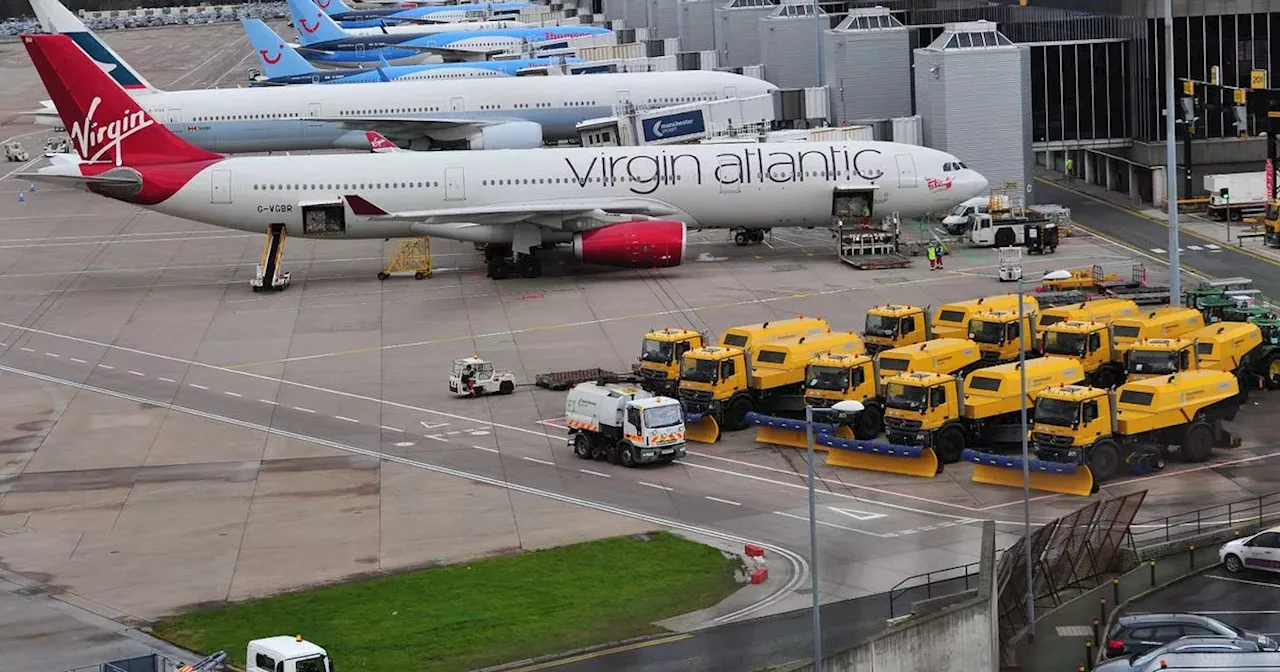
961,637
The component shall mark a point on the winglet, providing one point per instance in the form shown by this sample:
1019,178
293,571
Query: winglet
378,144
363,208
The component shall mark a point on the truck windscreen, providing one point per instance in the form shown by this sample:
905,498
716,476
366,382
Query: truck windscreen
663,416
1159,363
879,325
905,397
827,378
699,370
986,332
1057,412
656,351
1059,343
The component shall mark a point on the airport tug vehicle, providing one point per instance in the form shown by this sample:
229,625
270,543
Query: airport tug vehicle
474,377
624,425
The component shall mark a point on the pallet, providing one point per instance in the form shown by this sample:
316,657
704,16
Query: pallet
563,380
877,261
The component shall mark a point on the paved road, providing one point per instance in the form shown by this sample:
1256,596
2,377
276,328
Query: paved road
763,642
1146,235
1249,600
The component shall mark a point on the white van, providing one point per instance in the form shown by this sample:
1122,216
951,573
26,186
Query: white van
961,216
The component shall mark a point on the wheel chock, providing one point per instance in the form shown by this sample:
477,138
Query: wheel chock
701,428
791,433
878,456
1060,477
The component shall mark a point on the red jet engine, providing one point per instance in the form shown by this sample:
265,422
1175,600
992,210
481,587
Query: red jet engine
645,244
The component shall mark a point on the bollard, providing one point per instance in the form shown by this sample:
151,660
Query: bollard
1088,654
1097,626
1104,610
1191,557
1153,573
1115,591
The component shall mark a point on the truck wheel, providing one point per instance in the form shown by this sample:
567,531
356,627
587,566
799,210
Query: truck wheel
599,452
868,424
1198,443
506,387
736,418
1104,459
1271,371
626,457
582,446
949,445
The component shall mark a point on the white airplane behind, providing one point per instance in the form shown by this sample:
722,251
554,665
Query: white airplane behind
619,206
431,28
478,113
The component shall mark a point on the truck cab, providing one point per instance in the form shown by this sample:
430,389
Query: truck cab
1091,344
893,326
952,320
660,354
286,654
997,333
941,355
923,409
1159,357
1163,322
1104,311
960,219
832,378
623,424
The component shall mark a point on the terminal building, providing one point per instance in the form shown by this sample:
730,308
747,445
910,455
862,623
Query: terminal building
1094,70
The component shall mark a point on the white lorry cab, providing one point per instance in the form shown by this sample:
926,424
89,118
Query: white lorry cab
961,216
623,424
286,654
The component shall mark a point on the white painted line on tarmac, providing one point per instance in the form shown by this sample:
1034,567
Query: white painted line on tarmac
138,374
107,367
487,450
655,485
26,349
346,419
722,501
546,462
198,387
392,429
268,402
166,380
595,473
1244,581
304,410
50,354
800,567
77,360
436,437
823,522
233,394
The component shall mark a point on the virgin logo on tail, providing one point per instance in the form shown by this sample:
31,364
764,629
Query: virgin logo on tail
268,59
310,29
92,139
379,144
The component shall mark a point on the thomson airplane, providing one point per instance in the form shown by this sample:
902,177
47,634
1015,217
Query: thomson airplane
620,206
322,41
281,64
372,18
475,113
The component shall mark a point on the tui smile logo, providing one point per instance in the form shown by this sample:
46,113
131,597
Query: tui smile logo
310,29
268,59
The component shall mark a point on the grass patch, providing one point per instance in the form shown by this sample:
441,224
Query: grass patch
471,615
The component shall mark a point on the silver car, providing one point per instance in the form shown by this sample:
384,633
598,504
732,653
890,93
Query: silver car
1140,662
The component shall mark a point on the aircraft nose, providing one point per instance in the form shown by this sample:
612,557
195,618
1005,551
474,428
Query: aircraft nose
975,183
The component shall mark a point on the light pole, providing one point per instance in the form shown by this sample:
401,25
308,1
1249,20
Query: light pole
847,406
1026,457
1171,160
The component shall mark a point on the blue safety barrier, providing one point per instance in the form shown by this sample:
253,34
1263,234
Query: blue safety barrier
876,447
1015,462
762,420
692,417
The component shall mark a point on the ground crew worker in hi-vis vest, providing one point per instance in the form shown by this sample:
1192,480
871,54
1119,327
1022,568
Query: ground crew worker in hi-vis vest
933,257
1071,164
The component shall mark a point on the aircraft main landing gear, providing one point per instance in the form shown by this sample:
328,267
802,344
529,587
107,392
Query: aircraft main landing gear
502,263
744,237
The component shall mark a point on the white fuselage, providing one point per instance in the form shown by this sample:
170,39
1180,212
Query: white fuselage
287,118
433,28
708,186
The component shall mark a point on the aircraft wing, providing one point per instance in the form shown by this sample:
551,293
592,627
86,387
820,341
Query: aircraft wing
413,128
564,214
455,53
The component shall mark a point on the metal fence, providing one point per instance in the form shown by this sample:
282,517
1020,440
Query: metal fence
1165,529
156,662
947,581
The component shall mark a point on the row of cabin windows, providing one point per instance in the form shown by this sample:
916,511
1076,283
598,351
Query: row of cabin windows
412,110
492,183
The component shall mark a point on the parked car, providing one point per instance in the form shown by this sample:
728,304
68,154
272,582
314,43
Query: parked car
1260,551
1139,661
1141,633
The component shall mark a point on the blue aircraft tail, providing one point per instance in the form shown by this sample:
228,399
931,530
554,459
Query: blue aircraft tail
312,24
333,6
277,58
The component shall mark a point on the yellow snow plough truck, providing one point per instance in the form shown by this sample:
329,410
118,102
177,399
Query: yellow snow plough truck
1101,348
952,320
925,409
941,355
1231,347
720,385
998,335
662,350
829,378
1102,311
893,326
1083,436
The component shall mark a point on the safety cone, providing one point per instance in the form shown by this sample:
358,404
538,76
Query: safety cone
22,198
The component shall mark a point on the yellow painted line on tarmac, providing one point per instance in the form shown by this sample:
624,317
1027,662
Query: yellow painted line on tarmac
1181,231
600,654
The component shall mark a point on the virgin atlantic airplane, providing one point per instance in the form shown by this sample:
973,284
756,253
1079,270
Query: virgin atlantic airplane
619,206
